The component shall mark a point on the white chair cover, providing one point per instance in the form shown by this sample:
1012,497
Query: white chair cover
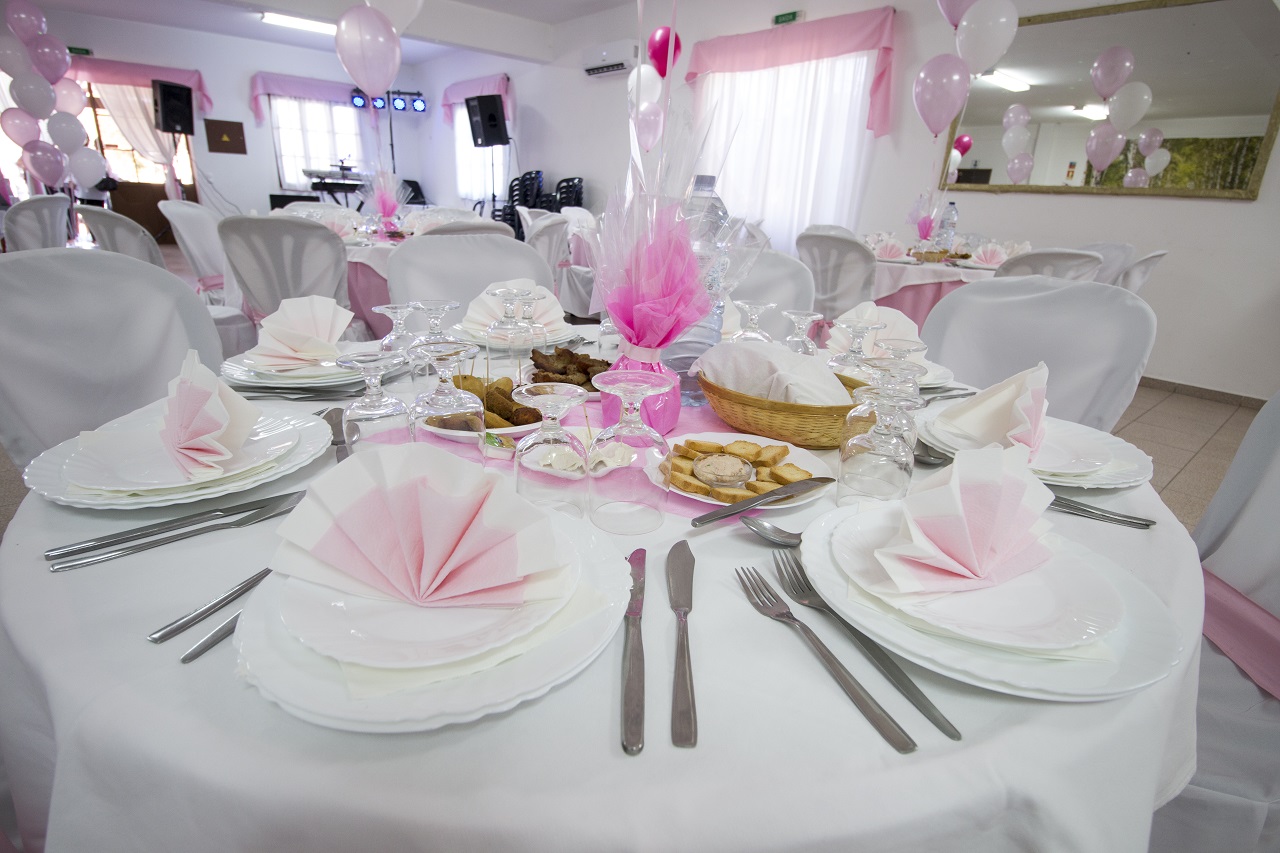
117,233
1116,258
87,337
844,269
278,257
1095,339
549,237
1233,801
459,267
40,222
580,219
473,226
1072,264
576,289
302,208
776,277
1139,271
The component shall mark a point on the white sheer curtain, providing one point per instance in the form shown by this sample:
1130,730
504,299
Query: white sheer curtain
796,140
476,172
132,109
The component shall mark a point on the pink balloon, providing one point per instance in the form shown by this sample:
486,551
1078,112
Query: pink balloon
648,125
45,162
368,48
1110,70
940,90
1136,178
963,144
19,126
25,20
1016,116
1019,167
49,57
1103,145
659,45
69,97
953,10
1149,140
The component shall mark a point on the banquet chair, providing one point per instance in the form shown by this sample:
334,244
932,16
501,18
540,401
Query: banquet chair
474,226
303,208
549,237
1072,264
88,337
1095,339
116,233
844,269
1116,258
781,279
1133,278
460,267
40,222
576,290
1232,803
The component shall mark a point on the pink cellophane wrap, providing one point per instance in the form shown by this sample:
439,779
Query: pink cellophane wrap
974,524
1009,412
418,524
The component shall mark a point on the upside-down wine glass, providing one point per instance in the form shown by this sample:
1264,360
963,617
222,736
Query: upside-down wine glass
399,338
850,362
551,464
877,462
508,338
751,330
607,330
446,407
799,340
377,418
434,310
624,497
537,331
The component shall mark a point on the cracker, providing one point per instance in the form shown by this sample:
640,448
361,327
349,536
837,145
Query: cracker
681,450
704,446
747,450
772,455
761,486
692,485
789,473
730,494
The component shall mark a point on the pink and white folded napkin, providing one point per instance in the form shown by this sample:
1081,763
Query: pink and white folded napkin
1008,413
341,221
890,250
485,309
977,523
418,524
990,255
300,335
897,326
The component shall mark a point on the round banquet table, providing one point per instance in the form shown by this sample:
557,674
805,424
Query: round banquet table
914,289
111,744
367,266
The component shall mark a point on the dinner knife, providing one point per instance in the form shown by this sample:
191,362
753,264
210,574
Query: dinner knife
160,527
217,635
182,623
790,490
633,661
684,714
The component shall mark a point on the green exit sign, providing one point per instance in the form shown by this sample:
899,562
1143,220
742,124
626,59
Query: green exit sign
786,18
79,51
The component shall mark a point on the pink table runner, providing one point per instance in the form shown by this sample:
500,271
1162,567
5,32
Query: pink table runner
367,289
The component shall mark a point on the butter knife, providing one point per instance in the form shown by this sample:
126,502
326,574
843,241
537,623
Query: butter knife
684,714
633,661
217,635
797,488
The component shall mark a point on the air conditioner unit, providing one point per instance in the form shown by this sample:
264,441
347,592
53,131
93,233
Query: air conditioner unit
612,58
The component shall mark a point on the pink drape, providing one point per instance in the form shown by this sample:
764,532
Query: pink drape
498,84
807,42
264,83
1244,631
111,71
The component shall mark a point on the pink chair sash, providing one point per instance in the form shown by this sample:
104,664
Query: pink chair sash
209,282
1244,631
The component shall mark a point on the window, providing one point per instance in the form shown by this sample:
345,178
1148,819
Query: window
479,169
124,163
313,135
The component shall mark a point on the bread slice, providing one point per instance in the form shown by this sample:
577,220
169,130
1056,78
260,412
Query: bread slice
789,473
761,486
772,455
681,465
686,452
764,474
730,494
704,446
747,450
692,485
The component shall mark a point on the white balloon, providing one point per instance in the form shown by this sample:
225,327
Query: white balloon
1016,140
644,86
88,167
69,97
1128,105
67,132
32,93
400,13
1156,162
953,162
14,58
985,33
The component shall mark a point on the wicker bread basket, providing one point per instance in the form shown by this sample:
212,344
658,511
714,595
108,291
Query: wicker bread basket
810,427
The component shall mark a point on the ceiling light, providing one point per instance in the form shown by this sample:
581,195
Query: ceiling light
1006,81
1093,112
299,23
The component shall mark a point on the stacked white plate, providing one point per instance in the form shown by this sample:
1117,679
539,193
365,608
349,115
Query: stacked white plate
243,370
937,375
358,664
553,338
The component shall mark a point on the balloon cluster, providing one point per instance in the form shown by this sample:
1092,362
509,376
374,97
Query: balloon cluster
984,31
958,149
1016,143
644,86
37,62
1127,103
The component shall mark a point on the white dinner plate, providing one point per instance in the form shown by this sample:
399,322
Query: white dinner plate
553,338
973,265
45,473
1144,648
311,686
796,455
937,375
399,635
1061,453
467,437
239,370
1063,604
526,374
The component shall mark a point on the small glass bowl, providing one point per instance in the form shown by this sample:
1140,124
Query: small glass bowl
722,470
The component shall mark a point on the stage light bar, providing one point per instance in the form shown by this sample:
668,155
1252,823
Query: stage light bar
419,105
399,103
379,102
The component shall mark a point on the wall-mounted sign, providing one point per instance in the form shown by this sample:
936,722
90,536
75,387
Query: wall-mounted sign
224,137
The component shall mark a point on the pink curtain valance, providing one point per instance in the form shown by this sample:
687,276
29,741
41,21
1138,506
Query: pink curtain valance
806,42
112,72
264,83
498,84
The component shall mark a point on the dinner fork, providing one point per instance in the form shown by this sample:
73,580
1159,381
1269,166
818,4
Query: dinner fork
766,601
795,582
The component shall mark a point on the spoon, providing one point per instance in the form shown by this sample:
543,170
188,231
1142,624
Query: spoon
771,532
926,455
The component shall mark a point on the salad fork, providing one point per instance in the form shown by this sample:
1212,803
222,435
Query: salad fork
766,601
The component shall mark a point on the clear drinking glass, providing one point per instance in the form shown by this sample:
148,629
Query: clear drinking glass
434,310
551,464
399,338
901,379
751,331
444,406
799,340
877,463
850,362
377,418
607,330
623,497
537,331
508,339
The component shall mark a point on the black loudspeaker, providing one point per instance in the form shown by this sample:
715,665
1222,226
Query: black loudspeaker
488,122
172,104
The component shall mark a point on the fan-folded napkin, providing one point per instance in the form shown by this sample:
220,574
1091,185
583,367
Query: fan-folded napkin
1013,247
485,309
1009,412
890,250
302,332
990,255
415,523
771,371
897,326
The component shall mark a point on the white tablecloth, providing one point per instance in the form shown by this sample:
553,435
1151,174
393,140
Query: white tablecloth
890,278
118,746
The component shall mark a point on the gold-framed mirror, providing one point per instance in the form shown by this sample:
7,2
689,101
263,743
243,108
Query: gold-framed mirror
1214,71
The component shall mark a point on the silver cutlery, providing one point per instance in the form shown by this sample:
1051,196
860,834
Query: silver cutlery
795,582
946,389
300,397
1060,500
1095,515
217,635
684,714
767,602
182,623
633,661
333,417
772,532
958,395
161,527
280,507
797,488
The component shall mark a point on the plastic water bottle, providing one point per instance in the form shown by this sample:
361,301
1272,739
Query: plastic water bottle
706,216
945,234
